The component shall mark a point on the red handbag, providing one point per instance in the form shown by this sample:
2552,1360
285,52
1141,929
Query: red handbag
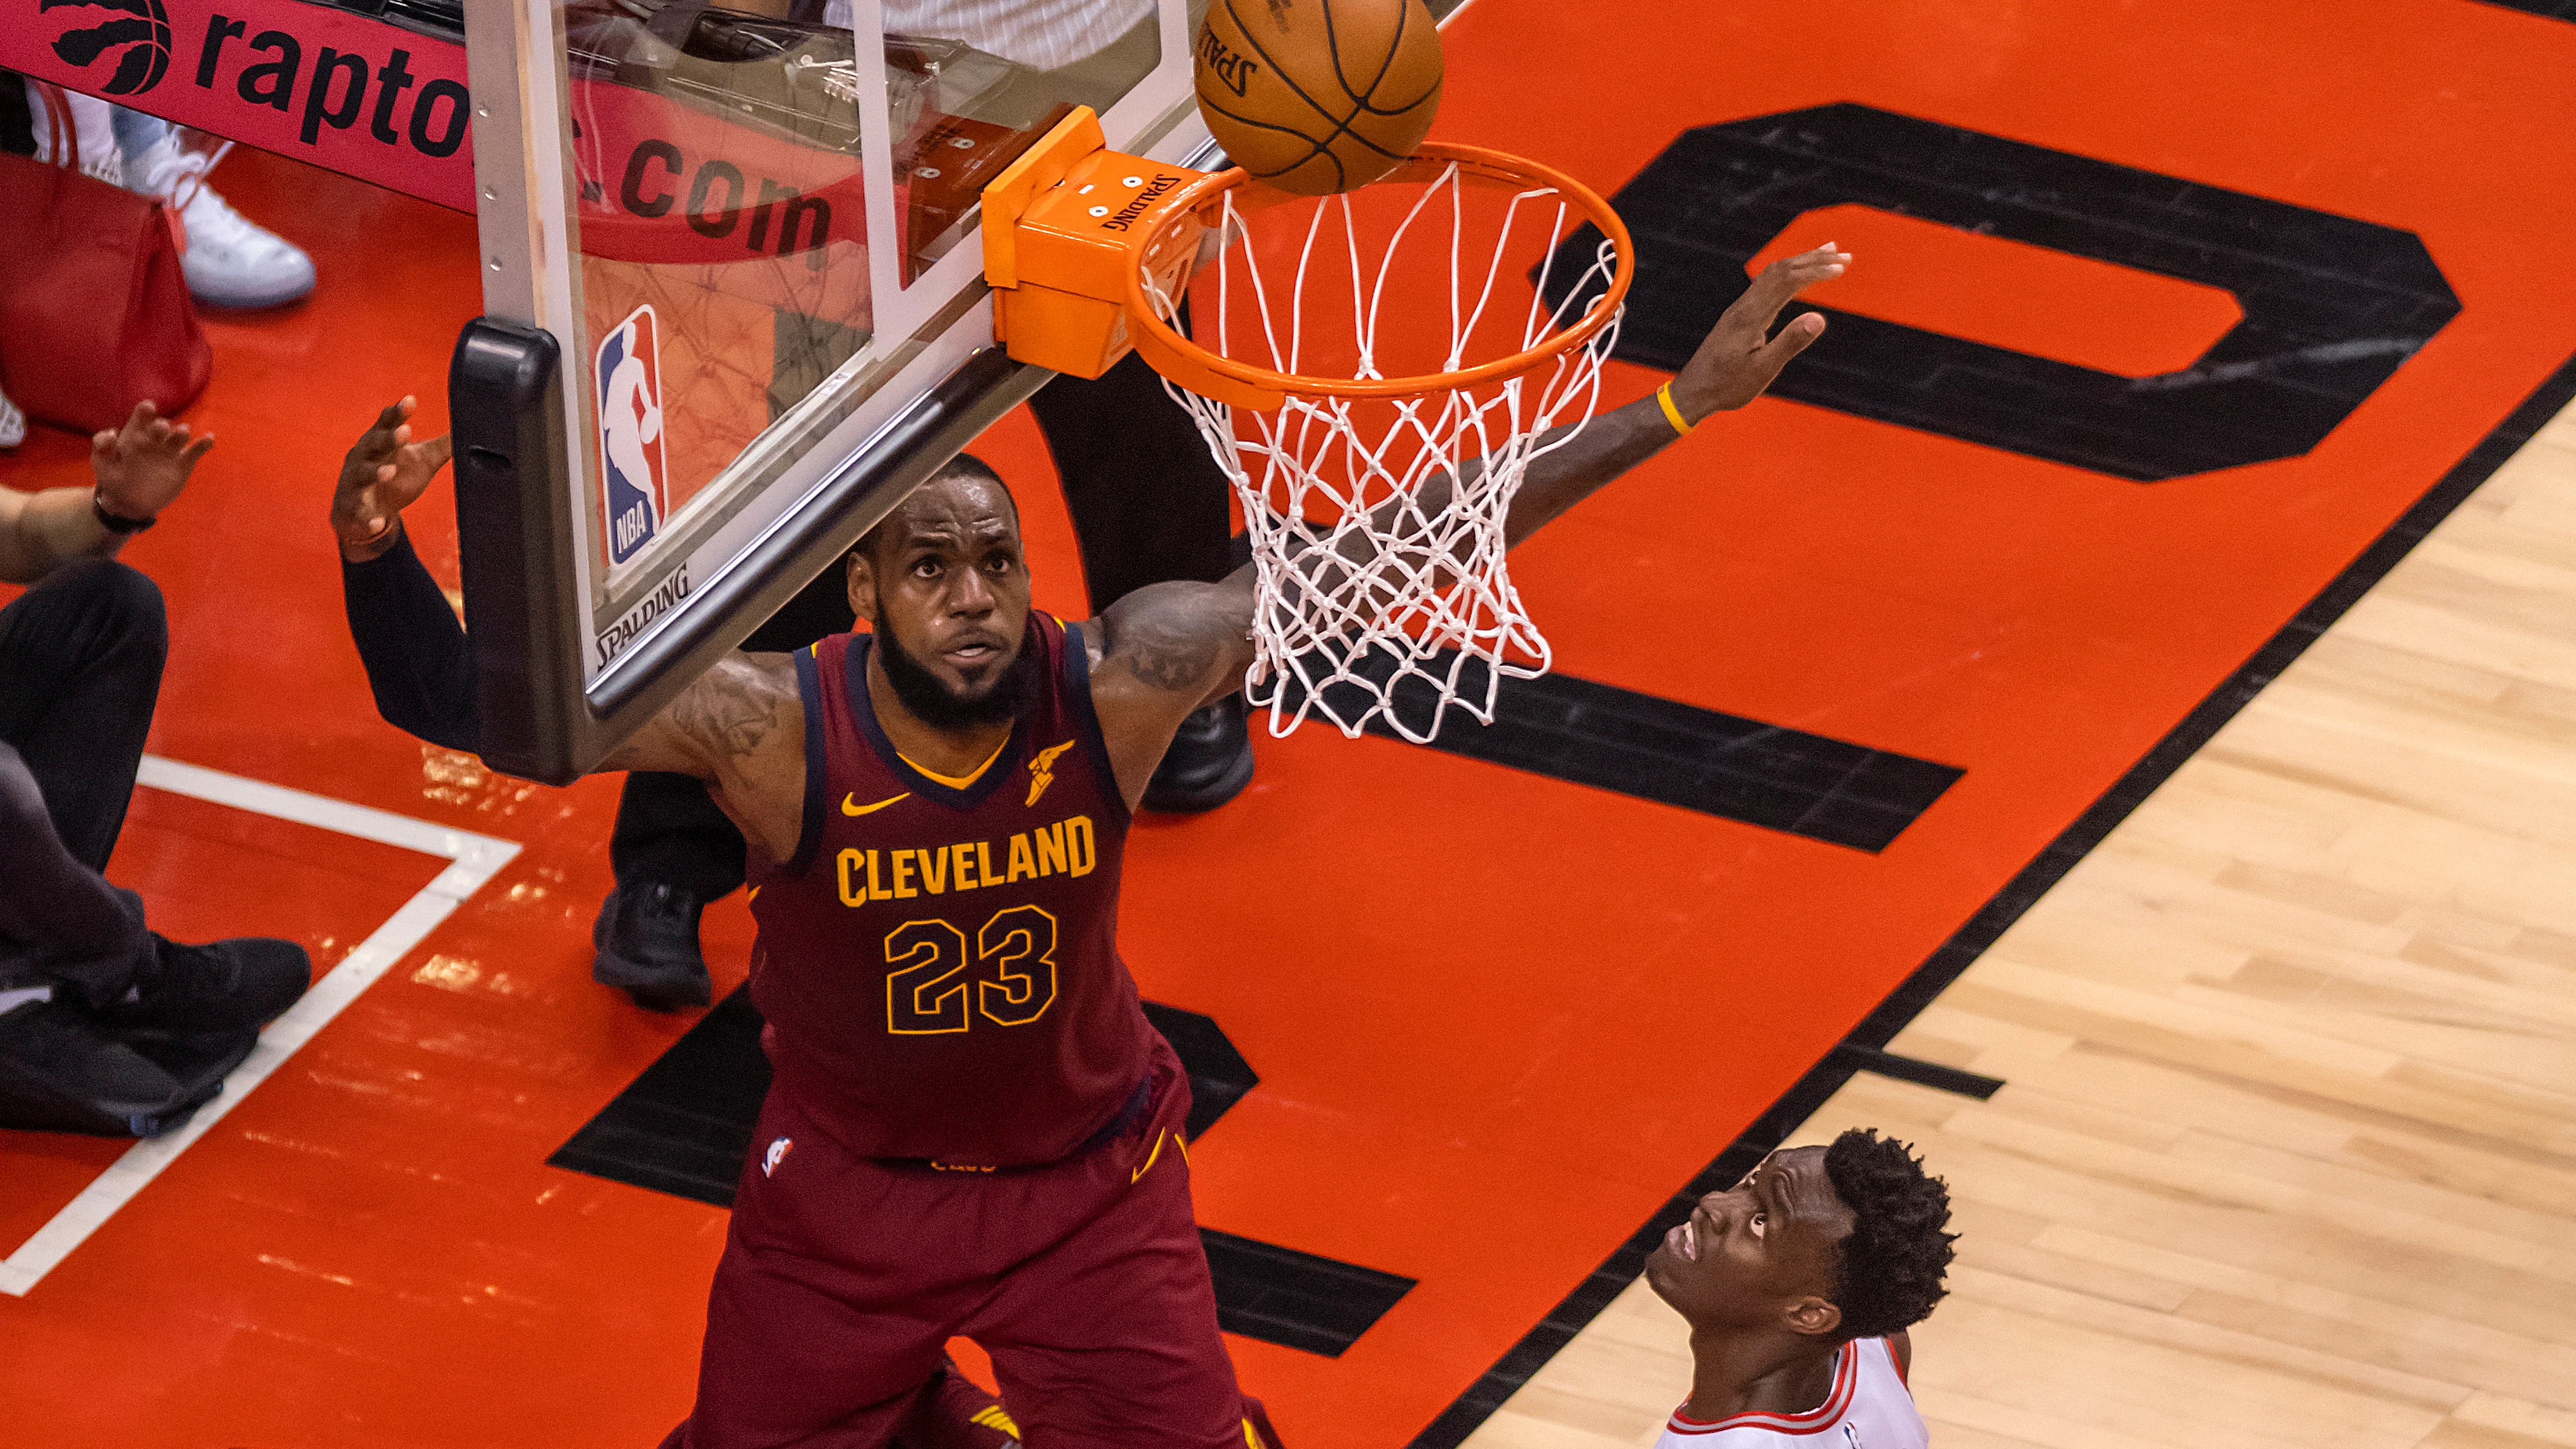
94,311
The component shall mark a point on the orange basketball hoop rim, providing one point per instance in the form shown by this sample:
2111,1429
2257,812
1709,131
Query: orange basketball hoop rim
1076,234
1202,371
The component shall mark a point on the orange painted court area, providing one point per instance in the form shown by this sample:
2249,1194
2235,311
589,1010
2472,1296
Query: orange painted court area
1497,1018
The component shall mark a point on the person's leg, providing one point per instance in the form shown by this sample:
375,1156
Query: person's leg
68,941
61,924
80,671
137,133
673,851
1108,1339
1150,505
832,1307
72,130
669,832
230,261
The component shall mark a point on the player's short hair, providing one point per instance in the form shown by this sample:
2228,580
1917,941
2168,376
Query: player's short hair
1897,1254
967,465
964,465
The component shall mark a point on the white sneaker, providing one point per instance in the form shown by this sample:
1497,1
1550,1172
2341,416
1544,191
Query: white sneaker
13,431
229,261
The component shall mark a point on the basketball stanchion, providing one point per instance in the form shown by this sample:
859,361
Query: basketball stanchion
1376,371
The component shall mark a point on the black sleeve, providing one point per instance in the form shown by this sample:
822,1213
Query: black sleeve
414,649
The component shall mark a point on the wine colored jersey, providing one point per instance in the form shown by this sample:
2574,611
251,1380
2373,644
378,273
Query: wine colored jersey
939,965
1868,1407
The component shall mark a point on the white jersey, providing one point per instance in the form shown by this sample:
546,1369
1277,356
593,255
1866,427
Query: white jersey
1868,1408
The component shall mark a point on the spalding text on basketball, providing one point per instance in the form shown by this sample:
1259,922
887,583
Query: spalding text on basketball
1234,71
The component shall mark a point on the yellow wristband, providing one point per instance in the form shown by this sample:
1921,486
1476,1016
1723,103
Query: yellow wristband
1672,414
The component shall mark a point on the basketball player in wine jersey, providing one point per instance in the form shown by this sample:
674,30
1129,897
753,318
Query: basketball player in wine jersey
973,1129
1798,1285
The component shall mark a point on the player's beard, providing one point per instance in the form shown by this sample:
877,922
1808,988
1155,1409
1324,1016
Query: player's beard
929,701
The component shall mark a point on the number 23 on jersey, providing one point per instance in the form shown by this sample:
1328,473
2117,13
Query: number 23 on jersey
935,984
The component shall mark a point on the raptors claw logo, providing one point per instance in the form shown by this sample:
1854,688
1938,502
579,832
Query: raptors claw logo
145,35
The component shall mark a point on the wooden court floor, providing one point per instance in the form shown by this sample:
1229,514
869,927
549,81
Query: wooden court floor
2286,1154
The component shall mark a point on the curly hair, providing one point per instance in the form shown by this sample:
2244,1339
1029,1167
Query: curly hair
1897,1253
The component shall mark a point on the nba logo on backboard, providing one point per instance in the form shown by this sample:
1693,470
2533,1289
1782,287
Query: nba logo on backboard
632,475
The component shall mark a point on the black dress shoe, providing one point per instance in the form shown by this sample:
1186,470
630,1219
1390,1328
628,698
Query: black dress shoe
224,988
60,1073
1209,763
647,937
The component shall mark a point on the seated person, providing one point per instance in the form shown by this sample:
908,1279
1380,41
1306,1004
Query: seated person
1798,1285
92,1004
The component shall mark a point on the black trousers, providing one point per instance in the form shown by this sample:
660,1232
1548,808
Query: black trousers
80,670
1149,506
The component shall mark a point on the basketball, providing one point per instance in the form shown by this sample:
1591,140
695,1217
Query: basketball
1318,96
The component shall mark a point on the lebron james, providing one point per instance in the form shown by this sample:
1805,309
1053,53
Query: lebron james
973,1129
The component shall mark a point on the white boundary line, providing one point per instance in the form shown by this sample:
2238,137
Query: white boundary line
472,860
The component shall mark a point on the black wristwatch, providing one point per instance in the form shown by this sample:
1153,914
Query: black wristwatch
116,523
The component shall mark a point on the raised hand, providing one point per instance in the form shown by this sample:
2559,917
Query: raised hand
142,466
385,473
1741,356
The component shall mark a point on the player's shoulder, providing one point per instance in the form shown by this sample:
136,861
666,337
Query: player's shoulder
740,707
1087,639
1868,1407
760,672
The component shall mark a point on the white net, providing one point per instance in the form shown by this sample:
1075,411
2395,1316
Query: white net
1378,525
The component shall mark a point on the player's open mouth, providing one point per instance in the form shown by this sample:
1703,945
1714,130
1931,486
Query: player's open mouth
1683,1241
966,656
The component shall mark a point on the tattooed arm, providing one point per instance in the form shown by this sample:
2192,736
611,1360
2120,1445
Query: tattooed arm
740,728
1159,653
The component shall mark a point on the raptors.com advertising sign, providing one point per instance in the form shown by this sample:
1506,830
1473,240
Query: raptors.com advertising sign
663,181
358,96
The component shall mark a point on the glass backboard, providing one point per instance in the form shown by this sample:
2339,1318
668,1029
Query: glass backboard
735,307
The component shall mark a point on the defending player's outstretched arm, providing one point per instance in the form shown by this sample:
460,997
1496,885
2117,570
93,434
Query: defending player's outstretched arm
1733,365
1163,651
740,726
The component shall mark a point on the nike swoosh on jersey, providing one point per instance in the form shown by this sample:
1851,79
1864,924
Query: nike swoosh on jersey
849,805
